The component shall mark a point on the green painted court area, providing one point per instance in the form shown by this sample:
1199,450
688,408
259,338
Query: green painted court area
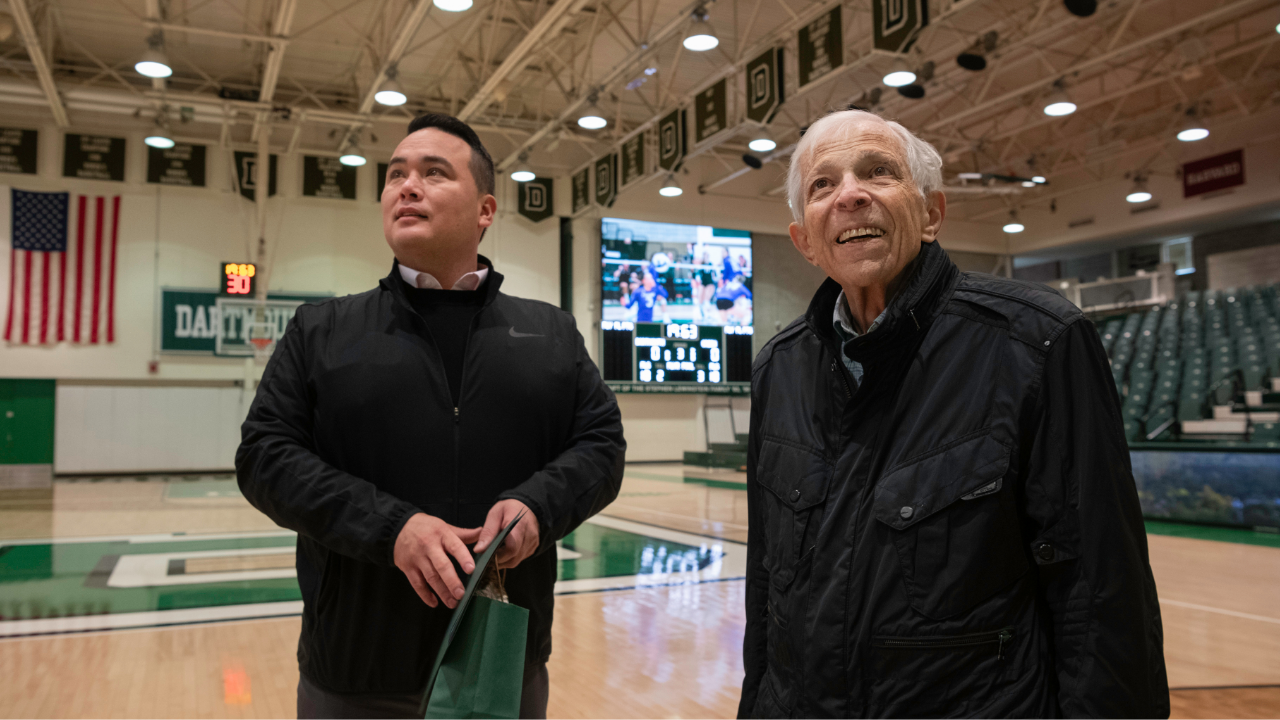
1217,534
73,579
70,579
606,552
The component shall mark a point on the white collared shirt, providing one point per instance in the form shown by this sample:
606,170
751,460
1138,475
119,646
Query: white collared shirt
427,281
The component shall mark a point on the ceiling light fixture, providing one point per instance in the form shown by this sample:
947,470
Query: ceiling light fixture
453,5
900,74
591,119
522,173
351,156
912,91
1139,193
1192,129
154,63
160,137
701,37
1058,104
1081,8
1013,226
762,142
974,58
1039,180
671,188
390,93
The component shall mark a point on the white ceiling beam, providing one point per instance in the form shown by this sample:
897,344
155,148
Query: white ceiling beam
275,61
275,49
22,18
551,23
191,29
408,25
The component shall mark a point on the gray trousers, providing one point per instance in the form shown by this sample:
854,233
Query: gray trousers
314,702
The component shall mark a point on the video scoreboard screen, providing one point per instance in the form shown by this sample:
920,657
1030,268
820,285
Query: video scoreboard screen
676,307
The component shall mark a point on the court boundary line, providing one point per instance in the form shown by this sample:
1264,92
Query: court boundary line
1220,611
1226,687
151,538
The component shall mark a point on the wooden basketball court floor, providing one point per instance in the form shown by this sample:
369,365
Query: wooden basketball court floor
164,596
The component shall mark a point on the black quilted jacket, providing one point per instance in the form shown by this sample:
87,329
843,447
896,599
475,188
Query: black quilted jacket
960,536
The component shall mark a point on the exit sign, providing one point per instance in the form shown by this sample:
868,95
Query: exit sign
237,279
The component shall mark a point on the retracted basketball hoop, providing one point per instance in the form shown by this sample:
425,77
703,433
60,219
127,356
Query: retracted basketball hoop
262,337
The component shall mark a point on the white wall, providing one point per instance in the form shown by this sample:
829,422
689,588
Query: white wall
131,428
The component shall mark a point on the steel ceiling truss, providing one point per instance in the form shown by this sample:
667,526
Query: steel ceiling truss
524,69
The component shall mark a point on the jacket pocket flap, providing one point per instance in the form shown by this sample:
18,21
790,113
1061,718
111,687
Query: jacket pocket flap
969,469
798,477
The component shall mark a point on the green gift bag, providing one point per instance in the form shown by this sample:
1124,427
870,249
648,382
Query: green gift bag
479,670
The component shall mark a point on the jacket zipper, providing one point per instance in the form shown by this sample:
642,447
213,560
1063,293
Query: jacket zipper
1000,638
844,381
457,427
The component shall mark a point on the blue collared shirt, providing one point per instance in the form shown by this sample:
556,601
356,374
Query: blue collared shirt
844,327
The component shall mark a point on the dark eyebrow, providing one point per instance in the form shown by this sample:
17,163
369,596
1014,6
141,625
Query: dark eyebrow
429,159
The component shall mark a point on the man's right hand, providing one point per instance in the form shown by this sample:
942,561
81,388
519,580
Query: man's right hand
422,553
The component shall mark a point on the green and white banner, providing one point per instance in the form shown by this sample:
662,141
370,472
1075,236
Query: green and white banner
202,322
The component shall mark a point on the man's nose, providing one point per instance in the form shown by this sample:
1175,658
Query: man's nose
411,188
852,195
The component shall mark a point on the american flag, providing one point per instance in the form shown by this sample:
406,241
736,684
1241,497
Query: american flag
62,268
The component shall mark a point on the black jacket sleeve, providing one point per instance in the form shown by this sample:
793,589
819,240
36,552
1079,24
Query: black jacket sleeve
1088,540
280,473
587,474
754,650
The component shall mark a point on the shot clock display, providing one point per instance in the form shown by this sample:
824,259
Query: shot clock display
237,278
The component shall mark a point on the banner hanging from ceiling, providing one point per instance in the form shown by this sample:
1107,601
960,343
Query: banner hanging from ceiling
821,47
897,23
764,86
535,199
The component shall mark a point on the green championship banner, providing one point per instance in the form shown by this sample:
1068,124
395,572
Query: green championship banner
202,323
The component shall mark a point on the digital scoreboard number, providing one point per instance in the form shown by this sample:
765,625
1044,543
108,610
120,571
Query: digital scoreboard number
237,279
680,355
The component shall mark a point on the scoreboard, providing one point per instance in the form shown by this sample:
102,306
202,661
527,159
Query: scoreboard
676,357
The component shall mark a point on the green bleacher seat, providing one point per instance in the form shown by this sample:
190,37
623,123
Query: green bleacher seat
1266,432
1253,375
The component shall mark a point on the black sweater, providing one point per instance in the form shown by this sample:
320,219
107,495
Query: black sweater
448,314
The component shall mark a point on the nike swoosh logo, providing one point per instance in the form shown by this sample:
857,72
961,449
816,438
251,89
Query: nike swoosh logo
515,334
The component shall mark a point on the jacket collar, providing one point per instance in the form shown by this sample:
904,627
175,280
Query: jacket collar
393,284
906,318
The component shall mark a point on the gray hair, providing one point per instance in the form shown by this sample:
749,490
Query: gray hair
922,159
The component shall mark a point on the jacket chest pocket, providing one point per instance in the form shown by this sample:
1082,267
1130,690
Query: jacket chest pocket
795,484
953,520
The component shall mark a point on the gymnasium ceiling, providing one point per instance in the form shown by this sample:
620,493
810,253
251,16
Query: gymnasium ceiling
521,71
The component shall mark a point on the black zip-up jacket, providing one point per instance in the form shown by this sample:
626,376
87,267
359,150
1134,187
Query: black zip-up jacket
959,536
353,430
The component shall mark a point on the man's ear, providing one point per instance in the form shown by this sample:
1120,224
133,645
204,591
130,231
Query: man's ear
936,207
488,209
800,238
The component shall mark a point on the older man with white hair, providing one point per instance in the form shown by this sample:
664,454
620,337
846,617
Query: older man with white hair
943,519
